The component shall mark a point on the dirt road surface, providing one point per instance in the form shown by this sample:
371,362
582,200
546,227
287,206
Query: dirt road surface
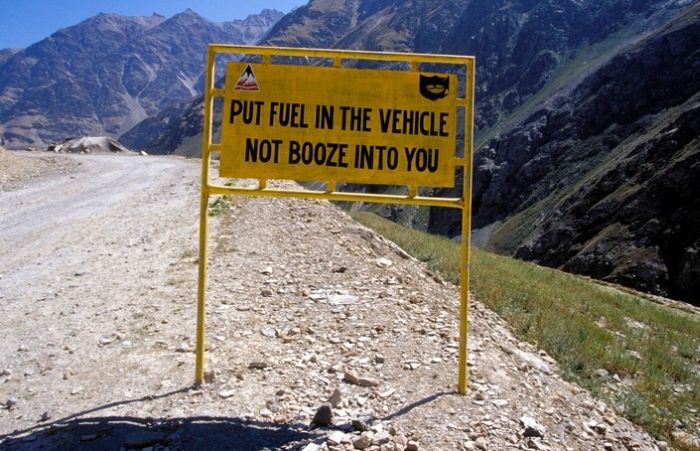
305,309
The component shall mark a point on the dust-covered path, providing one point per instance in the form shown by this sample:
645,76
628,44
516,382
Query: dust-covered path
49,223
305,309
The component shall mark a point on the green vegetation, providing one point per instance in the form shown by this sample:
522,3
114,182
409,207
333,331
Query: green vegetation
219,205
651,351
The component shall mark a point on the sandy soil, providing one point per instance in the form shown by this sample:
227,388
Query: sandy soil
305,308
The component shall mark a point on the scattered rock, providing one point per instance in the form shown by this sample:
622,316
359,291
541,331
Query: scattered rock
531,428
360,381
412,445
381,438
481,444
342,299
383,262
601,373
336,437
227,393
336,398
500,402
597,427
107,339
258,365
184,347
411,365
11,403
46,416
363,441
529,359
360,425
269,332
323,416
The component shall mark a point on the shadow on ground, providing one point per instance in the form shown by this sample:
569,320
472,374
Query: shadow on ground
83,432
193,433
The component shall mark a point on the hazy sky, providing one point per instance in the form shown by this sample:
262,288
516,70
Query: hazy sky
24,22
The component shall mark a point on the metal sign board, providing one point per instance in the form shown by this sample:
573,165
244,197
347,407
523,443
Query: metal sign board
333,120
332,123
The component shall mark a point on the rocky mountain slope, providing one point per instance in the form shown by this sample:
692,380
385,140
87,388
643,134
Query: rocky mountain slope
568,134
521,47
106,74
604,180
5,54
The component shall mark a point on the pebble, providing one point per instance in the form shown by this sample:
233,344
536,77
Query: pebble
11,403
350,378
601,373
383,262
531,428
258,365
227,393
359,425
336,437
323,416
363,441
269,332
381,438
336,398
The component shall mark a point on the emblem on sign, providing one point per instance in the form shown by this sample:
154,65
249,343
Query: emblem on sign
247,81
434,87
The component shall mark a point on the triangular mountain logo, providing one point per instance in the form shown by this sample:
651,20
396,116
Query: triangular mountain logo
247,81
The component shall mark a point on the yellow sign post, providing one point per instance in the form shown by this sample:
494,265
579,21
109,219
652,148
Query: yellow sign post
322,115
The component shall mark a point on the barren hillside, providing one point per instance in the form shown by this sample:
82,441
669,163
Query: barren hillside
305,308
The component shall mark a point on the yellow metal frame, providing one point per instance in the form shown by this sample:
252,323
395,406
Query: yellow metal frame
331,192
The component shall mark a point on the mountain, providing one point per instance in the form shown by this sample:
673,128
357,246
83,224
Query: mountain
524,49
6,54
605,181
106,74
586,124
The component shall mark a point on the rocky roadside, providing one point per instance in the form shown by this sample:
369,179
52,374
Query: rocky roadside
321,335
16,168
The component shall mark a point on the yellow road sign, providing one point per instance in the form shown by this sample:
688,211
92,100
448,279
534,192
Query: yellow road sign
346,124
289,114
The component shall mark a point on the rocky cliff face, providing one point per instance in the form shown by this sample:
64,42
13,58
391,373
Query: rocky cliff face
604,181
109,72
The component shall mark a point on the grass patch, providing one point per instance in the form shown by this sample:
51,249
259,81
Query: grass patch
219,205
652,349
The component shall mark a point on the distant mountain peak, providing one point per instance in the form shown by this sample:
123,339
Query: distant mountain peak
109,72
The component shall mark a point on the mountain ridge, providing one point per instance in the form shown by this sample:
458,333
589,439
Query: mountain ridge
109,72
